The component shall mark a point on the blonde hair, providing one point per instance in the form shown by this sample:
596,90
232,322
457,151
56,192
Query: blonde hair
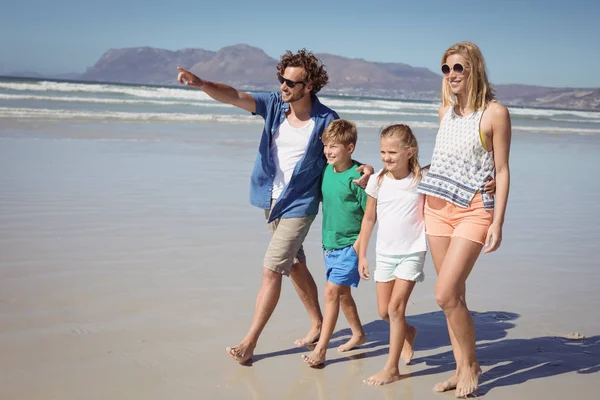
340,131
479,91
408,139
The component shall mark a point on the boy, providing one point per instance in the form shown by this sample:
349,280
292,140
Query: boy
344,204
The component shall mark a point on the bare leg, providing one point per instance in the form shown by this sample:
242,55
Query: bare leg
351,313
398,330
332,310
384,294
457,265
307,291
266,301
439,247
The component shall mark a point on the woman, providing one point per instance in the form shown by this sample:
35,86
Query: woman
460,218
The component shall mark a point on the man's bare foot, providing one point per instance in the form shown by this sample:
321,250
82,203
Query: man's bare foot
383,377
446,385
311,338
241,353
408,350
355,341
315,358
468,382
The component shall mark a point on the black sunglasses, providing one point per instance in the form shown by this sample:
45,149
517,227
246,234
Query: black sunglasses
289,83
458,68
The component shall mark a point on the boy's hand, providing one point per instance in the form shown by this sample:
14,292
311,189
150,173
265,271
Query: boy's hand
367,171
363,269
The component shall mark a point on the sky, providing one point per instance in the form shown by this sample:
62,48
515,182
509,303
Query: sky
549,43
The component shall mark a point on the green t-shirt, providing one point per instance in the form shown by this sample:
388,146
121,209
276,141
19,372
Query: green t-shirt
344,204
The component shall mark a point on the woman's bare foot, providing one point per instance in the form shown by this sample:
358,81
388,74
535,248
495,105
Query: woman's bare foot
241,353
312,337
468,382
408,350
446,385
315,358
355,341
383,377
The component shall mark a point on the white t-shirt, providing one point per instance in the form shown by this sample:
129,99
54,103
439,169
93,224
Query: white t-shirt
401,228
287,148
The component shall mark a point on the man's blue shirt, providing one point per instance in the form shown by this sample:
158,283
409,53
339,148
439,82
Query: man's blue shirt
301,196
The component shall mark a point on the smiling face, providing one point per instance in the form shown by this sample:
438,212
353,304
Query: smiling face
295,74
457,81
337,153
395,155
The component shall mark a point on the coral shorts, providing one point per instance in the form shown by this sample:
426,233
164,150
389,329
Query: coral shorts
443,218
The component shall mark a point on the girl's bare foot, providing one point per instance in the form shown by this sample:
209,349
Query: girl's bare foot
408,350
315,358
383,377
312,337
241,353
355,341
446,385
468,382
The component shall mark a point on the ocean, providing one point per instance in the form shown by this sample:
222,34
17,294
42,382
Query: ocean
39,100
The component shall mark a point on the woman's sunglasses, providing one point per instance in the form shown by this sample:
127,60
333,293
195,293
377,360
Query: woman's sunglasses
458,68
289,83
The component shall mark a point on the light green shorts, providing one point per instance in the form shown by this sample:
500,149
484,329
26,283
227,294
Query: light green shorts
408,267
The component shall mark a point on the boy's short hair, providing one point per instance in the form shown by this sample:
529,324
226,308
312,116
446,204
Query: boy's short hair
340,131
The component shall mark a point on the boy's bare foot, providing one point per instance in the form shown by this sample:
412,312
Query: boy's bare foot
355,341
312,337
446,385
408,350
315,358
383,377
468,382
241,353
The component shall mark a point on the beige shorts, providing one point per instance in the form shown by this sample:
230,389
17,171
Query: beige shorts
285,248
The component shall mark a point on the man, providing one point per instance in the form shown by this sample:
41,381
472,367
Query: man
285,181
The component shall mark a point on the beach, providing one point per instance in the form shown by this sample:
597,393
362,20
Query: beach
130,257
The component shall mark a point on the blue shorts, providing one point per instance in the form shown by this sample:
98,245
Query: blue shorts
342,266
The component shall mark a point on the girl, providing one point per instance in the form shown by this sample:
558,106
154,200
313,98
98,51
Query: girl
394,202
459,217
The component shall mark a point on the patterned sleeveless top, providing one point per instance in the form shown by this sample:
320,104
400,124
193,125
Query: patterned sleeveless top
460,166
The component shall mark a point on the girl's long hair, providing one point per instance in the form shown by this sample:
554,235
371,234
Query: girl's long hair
408,139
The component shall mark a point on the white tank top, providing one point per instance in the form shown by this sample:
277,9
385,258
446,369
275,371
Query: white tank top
460,166
287,148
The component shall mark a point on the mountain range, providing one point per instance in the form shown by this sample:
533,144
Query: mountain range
250,68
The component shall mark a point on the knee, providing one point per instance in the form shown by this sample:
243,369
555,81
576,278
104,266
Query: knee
446,299
346,296
396,312
270,277
331,293
383,313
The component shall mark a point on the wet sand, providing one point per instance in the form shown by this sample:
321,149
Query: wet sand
127,266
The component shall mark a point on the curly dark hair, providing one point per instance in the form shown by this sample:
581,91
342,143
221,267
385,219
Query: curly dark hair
315,73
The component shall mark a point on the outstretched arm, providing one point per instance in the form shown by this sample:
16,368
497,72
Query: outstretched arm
501,137
218,91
